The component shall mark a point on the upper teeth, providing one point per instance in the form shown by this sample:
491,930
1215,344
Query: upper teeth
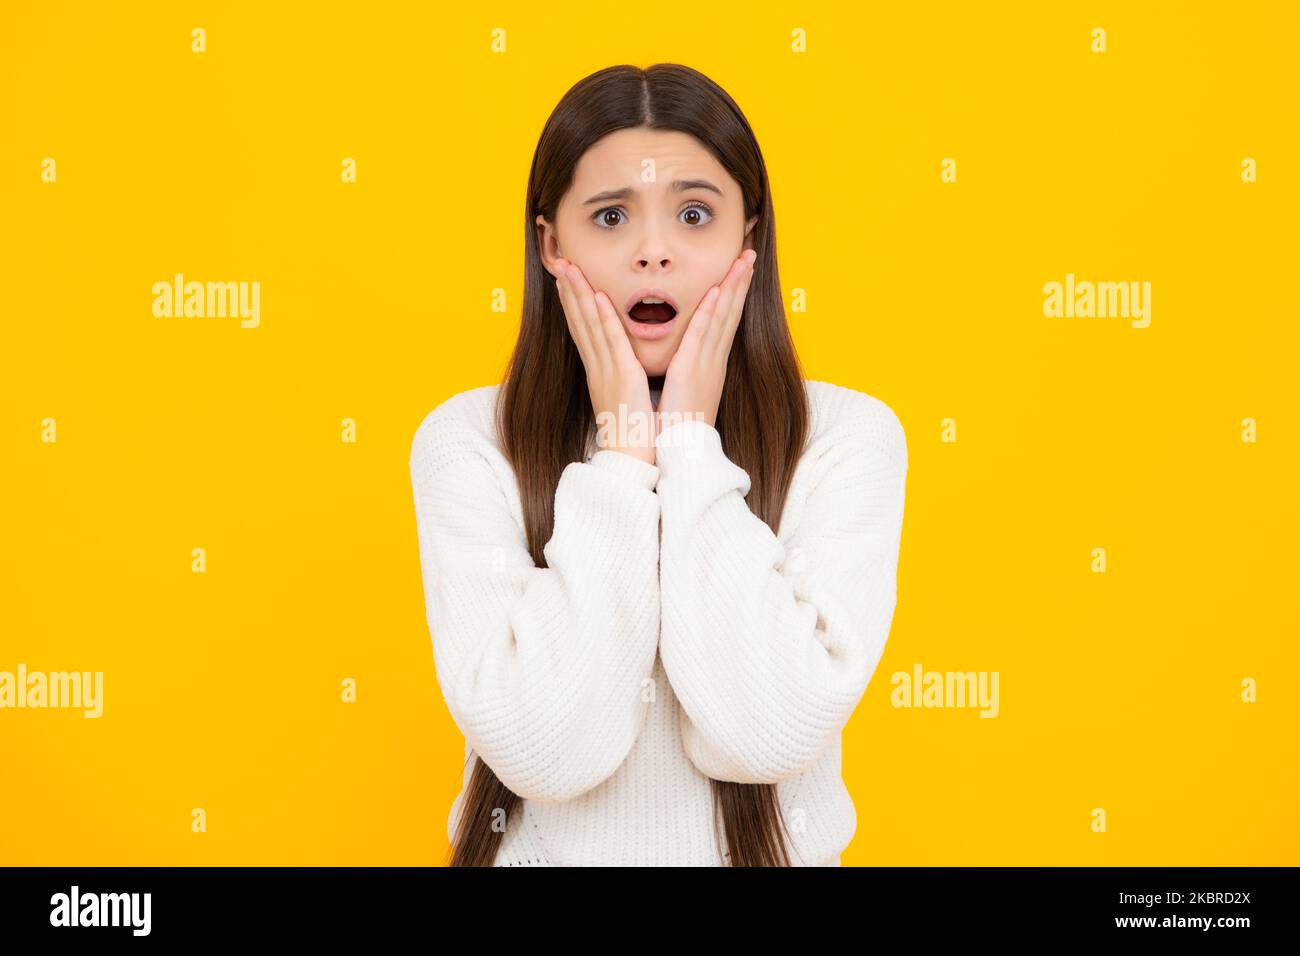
651,300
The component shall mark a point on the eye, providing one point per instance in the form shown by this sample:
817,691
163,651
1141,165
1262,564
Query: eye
697,208
601,217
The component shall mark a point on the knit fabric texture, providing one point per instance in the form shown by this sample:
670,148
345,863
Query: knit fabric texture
672,637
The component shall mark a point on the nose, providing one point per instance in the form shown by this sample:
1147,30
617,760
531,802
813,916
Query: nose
653,251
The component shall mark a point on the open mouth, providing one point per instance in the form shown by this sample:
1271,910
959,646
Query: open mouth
651,306
652,313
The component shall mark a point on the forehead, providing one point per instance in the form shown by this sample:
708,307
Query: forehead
619,159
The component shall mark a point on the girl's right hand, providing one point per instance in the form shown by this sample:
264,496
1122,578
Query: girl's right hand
620,391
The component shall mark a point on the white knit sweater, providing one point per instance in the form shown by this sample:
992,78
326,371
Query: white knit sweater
672,638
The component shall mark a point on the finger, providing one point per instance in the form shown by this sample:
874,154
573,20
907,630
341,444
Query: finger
730,320
612,326
701,319
731,299
586,298
573,316
726,291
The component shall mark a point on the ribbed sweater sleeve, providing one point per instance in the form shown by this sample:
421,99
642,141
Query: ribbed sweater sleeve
769,650
542,669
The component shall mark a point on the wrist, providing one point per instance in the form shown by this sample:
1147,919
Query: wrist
630,465
645,454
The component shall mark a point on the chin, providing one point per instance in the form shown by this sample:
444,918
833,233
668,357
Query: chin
656,364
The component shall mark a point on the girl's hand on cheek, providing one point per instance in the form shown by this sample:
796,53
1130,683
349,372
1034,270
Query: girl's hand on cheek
620,392
693,382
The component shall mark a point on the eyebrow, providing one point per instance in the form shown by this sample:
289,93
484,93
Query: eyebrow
677,186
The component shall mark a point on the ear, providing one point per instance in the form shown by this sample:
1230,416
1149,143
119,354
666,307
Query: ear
749,234
548,245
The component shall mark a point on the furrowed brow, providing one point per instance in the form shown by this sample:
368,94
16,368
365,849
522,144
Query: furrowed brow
677,186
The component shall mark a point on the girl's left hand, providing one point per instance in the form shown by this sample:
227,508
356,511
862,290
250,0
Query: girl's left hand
693,381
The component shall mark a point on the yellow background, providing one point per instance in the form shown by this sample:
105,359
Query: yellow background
222,690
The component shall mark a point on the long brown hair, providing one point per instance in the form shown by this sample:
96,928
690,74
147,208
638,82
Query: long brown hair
544,414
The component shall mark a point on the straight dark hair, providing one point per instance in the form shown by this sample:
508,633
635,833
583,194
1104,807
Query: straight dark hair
544,415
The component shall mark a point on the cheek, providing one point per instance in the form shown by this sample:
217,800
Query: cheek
711,272
598,273
590,257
